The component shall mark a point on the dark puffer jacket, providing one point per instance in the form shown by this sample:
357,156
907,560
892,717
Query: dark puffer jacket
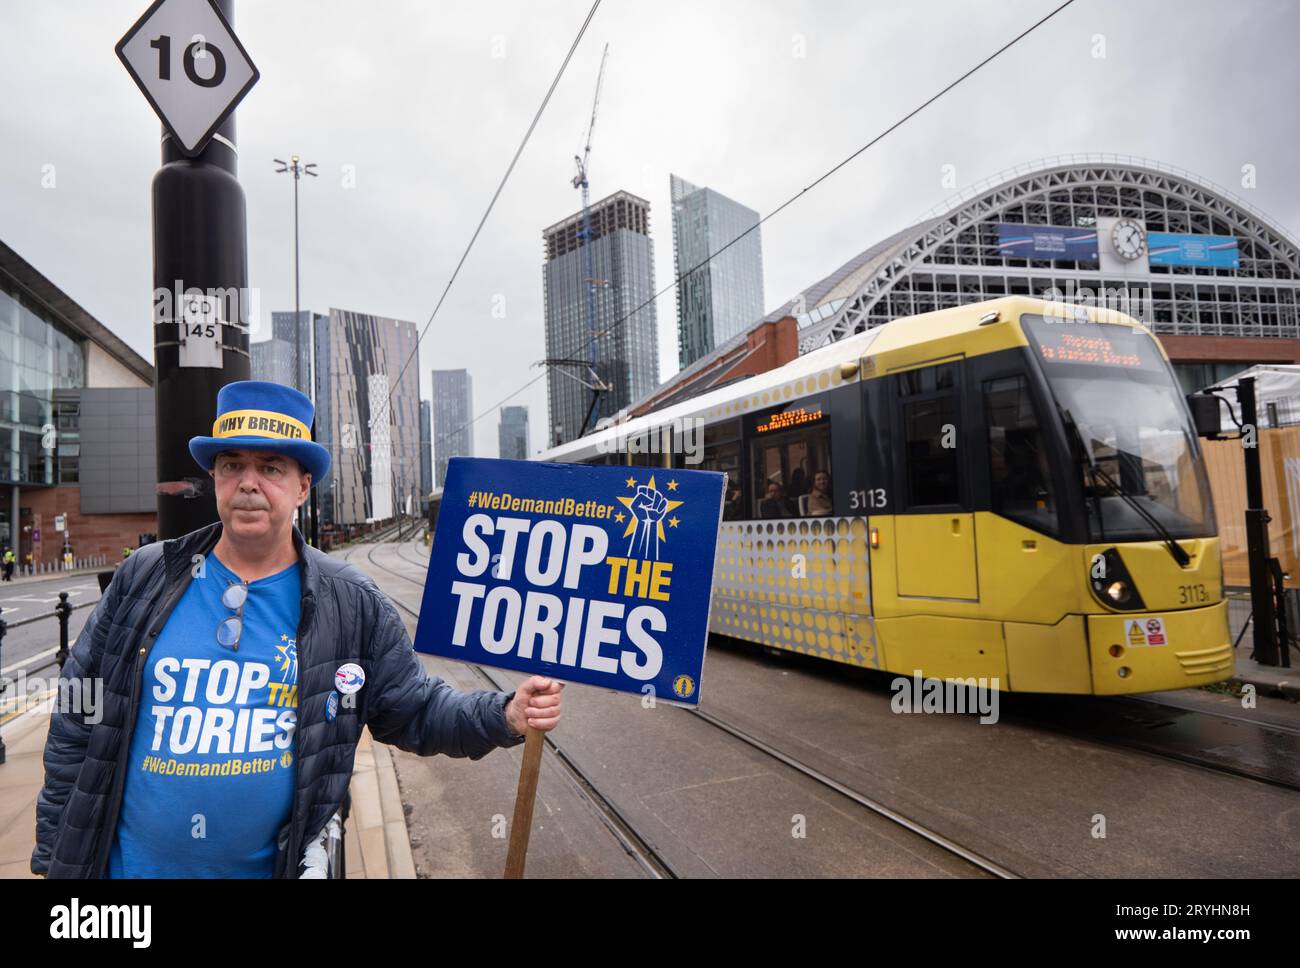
345,618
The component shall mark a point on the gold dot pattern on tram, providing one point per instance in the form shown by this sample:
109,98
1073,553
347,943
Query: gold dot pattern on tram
801,585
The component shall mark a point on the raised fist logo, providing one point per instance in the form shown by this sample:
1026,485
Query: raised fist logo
649,508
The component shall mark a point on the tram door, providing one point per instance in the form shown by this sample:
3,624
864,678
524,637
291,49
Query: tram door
934,528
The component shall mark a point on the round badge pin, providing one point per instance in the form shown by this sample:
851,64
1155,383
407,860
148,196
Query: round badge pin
350,678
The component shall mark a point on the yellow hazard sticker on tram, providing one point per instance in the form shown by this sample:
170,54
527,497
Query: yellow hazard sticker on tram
1148,631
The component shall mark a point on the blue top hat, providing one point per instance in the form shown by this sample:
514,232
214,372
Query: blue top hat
255,415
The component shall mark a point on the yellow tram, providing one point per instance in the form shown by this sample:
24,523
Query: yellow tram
1010,491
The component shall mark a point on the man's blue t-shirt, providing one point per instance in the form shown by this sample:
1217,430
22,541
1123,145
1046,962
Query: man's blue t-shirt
211,772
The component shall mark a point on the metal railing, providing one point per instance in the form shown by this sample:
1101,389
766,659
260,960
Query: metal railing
55,567
62,612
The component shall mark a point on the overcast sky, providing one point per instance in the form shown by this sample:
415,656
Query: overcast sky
428,100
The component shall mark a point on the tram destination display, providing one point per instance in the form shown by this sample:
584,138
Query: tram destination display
1064,341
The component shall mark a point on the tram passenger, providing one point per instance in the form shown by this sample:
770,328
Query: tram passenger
817,503
773,505
732,510
799,480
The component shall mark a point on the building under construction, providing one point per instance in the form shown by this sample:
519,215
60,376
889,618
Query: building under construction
626,343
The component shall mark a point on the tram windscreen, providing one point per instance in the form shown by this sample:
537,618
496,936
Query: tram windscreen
1124,407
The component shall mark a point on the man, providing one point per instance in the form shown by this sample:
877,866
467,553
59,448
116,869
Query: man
773,504
732,510
239,667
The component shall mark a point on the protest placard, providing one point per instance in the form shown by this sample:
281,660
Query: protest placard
593,574
600,575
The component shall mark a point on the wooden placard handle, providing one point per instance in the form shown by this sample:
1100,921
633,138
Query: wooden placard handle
522,825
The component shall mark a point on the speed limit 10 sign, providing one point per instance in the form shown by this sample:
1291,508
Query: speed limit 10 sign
190,65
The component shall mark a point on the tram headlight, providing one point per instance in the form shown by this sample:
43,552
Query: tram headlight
1111,582
1119,592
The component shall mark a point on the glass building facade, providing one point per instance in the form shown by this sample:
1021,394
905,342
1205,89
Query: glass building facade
725,297
426,448
512,434
273,360
453,409
627,348
368,415
295,341
38,358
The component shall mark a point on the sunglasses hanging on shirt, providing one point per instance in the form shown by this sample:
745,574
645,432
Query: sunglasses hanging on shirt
230,629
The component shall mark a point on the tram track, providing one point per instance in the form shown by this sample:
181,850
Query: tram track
979,864
1216,742
420,561
1181,729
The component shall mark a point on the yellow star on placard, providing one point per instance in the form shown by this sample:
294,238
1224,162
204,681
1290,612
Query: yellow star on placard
631,482
672,485
633,522
673,522
284,638
620,517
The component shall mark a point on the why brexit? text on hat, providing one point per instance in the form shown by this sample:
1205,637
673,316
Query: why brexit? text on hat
257,415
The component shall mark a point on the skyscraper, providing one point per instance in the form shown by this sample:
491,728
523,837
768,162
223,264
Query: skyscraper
623,269
725,298
272,360
368,417
295,343
426,448
512,434
453,409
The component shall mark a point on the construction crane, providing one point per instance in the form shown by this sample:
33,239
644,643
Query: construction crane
591,379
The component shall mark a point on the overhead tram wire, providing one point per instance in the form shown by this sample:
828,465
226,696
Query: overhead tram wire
793,198
488,211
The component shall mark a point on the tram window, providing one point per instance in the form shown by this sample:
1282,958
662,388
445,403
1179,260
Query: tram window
1019,471
792,474
930,436
644,450
722,453
926,380
726,458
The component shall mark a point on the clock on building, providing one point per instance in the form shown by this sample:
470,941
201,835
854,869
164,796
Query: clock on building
1129,239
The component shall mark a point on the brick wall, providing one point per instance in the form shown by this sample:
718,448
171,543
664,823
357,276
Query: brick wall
767,346
91,534
1194,349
